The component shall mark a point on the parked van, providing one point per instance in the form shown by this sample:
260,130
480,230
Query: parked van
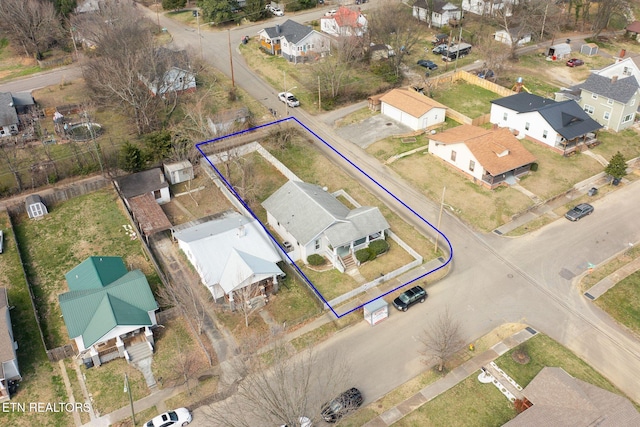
456,51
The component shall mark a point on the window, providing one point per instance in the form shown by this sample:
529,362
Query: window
317,244
610,101
594,96
504,116
453,156
156,194
544,134
627,118
626,71
633,102
588,108
472,165
526,126
606,115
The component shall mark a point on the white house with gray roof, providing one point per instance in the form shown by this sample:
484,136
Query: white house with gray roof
314,221
230,253
561,126
8,360
294,41
8,115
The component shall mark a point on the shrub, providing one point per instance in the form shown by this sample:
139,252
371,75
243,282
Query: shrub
315,259
379,246
364,255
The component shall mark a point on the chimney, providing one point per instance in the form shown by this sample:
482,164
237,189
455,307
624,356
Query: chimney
614,79
278,28
623,52
241,231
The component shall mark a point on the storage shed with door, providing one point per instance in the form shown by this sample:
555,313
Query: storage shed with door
35,206
178,172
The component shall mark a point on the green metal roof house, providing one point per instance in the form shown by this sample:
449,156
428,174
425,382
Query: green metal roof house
107,308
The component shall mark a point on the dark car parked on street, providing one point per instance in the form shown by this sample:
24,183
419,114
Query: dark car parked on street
346,402
410,297
575,62
582,210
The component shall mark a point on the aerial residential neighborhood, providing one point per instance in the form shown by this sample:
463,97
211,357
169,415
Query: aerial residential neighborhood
306,213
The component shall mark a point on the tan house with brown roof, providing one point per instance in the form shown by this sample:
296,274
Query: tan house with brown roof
412,109
489,157
562,400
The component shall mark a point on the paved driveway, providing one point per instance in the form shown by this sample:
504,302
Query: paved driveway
373,129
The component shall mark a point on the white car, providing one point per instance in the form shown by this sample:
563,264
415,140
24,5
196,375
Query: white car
304,422
177,417
277,11
289,99
331,12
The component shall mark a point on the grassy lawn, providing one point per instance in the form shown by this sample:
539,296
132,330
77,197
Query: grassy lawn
12,65
482,208
74,230
106,385
177,354
41,380
556,173
604,270
483,405
470,100
330,283
294,302
625,142
622,302
393,259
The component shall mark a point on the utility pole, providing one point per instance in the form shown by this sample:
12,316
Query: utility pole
455,68
319,99
199,36
286,104
233,82
128,389
439,218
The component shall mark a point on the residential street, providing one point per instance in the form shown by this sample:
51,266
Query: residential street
494,279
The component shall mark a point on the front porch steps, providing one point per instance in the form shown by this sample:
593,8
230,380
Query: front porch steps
141,356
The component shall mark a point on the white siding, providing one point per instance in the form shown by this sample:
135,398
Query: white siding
463,157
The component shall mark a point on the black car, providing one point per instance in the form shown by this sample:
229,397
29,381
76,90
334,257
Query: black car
582,210
346,402
428,64
410,297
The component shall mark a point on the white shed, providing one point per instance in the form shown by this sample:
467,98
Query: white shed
559,51
35,206
178,172
589,49
412,109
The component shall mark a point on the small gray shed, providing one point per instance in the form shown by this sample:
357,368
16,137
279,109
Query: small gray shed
35,206
589,49
559,51
178,172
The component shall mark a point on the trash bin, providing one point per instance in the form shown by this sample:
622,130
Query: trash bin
592,191
615,181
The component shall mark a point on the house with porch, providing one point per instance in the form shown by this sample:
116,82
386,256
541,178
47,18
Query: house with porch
232,254
295,42
108,310
442,13
345,22
488,157
171,73
9,372
610,101
313,221
562,126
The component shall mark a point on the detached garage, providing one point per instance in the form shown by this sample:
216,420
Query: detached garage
412,109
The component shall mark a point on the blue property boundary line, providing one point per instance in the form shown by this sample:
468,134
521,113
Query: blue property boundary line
396,198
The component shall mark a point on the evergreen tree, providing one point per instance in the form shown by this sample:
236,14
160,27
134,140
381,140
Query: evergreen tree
131,158
617,167
173,4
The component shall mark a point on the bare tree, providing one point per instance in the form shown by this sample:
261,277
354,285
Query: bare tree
390,25
442,339
185,298
607,10
278,387
10,155
124,52
32,24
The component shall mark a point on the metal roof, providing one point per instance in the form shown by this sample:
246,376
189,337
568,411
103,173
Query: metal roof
95,272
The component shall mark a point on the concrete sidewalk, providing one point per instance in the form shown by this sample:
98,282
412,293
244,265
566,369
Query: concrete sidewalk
610,281
463,371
